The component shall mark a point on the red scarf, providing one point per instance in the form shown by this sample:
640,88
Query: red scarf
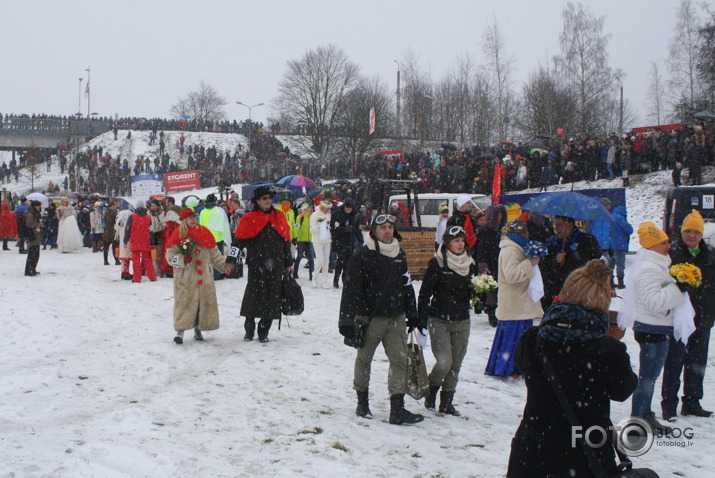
199,234
252,224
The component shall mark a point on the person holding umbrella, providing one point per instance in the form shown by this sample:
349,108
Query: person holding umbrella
569,249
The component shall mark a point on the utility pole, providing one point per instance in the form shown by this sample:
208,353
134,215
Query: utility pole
399,117
79,97
89,116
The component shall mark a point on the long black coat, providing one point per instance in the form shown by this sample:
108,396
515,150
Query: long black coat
444,294
267,256
345,231
591,373
701,297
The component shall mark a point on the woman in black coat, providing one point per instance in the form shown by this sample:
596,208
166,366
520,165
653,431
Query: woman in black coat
488,253
444,302
591,367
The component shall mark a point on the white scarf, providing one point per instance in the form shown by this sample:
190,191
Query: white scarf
459,263
389,250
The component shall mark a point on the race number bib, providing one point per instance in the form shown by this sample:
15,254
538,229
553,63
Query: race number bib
175,261
234,252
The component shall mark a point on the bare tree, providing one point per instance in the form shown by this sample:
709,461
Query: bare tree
682,61
312,91
204,104
705,65
583,62
546,105
656,94
417,97
353,137
499,68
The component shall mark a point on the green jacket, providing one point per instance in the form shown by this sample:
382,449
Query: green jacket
290,216
302,227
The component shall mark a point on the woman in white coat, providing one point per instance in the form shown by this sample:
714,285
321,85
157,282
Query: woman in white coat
654,296
320,234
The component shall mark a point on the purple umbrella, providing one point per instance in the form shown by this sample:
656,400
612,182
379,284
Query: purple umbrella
295,180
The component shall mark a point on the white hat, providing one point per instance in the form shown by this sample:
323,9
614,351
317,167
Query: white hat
98,204
462,200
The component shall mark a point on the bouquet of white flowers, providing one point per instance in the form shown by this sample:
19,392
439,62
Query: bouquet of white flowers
482,284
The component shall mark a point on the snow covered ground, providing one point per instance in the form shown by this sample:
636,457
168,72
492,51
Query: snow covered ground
92,385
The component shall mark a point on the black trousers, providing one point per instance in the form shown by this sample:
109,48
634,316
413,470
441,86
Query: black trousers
264,325
33,257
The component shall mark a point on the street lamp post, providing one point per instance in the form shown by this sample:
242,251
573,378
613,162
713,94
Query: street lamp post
79,98
250,122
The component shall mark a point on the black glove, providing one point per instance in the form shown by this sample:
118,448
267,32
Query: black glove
682,286
347,331
412,324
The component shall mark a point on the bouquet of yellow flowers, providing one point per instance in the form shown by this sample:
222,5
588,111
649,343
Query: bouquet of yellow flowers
687,273
482,284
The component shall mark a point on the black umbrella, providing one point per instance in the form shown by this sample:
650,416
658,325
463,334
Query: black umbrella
485,156
449,146
535,144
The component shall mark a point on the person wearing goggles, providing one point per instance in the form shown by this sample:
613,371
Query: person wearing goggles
443,304
377,299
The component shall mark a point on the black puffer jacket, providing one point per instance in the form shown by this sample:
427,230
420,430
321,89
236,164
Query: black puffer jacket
701,297
376,285
444,294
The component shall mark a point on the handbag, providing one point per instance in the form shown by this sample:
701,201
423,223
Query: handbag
291,296
417,380
625,468
613,329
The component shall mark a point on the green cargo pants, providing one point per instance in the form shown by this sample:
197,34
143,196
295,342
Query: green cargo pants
449,342
392,333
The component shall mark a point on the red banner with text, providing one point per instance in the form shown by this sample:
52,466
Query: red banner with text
181,181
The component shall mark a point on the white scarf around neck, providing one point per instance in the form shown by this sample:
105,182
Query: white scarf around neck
459,263
389,250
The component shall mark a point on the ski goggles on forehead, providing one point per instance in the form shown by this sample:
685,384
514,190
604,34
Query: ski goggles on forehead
454,230
383,218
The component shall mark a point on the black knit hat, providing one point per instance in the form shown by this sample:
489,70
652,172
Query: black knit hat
35,203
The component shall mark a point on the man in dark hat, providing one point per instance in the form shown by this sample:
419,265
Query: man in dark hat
265,234
377,298
33,230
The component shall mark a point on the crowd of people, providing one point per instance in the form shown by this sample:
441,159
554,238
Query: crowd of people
566,320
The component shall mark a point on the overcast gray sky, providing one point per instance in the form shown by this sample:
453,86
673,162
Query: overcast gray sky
144,55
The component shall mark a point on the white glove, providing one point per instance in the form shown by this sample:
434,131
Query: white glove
422,337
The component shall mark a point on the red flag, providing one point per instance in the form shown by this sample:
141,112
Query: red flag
496,183
86,90
372,120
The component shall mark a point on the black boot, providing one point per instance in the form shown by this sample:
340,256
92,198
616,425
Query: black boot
621,285
250,326
445,404
398,413
363,406
493,321
431,397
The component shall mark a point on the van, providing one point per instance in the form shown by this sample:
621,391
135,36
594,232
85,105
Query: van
429,204
680,201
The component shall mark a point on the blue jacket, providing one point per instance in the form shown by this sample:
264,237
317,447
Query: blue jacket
21,210
602,231
622,229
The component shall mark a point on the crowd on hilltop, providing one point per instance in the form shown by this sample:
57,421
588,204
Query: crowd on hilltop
51,122
471,169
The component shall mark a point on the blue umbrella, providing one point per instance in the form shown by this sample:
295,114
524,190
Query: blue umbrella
569,204
186,116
